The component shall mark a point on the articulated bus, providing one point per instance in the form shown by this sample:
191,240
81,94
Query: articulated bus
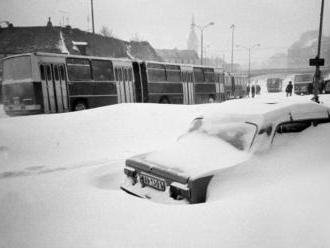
53,83
235,85
303,84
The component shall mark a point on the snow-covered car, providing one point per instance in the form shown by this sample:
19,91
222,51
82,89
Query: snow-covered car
227,135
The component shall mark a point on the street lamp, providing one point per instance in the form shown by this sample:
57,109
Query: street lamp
232,47
249,49
92,10
201,28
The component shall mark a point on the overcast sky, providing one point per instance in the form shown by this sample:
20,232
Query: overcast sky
275,24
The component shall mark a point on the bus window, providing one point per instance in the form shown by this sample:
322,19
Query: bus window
125,74
173,73
62,72
102,70
42,72
130,74
56,72
119,75
156,72
199,75
78,69
209,75
17,68
49,73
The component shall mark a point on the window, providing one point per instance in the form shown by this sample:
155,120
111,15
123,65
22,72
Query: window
56,73
293,127
79,69
173,73
42,72
156,72
119,74
239,135
102,70
49,73
62,71
125,74
288,131
303,78
199,75
130,73
17,68
209,74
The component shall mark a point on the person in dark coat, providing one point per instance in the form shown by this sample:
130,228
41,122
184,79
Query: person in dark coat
258,89
253,90
248,90
288,89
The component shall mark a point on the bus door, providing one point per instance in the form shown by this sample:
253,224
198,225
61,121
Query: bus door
128,84
64,88
219,86
233,86
48,88
60,88
54,88
188,87
120,84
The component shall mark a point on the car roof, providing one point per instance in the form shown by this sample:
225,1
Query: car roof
265,111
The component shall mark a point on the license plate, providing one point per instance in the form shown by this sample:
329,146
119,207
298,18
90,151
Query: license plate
153,182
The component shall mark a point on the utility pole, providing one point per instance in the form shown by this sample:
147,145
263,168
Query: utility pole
249,49
318,61
92,9
201,28
232,48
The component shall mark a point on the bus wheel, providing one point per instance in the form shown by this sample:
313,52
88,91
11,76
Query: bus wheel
80,106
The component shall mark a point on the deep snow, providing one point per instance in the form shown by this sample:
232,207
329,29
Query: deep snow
59,178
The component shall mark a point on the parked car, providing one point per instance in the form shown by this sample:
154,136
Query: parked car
227,135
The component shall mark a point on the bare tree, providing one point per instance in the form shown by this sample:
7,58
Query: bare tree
105,31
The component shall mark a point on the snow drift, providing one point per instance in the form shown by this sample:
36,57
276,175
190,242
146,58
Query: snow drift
59,177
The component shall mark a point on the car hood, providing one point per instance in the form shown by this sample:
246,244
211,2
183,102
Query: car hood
193,155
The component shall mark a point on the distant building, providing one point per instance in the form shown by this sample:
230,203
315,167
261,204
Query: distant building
54,39
179,56
192,43
306,48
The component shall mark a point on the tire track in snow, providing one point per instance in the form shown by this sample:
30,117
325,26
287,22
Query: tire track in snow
40,170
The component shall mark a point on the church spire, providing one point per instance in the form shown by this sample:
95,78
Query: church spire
192,43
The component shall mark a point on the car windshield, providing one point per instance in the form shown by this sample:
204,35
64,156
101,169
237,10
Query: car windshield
238,134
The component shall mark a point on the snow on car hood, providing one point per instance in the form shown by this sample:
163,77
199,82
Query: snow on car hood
196,154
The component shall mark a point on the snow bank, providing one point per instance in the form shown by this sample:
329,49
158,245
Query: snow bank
78,138
60,175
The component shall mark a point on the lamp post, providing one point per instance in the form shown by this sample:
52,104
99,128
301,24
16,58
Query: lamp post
232,47
249,49
92,10
201,28
317,75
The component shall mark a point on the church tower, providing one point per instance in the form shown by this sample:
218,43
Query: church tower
192,43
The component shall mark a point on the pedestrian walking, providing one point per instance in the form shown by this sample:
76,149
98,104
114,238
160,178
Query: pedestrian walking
248,90
253,90
288,89
258,89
